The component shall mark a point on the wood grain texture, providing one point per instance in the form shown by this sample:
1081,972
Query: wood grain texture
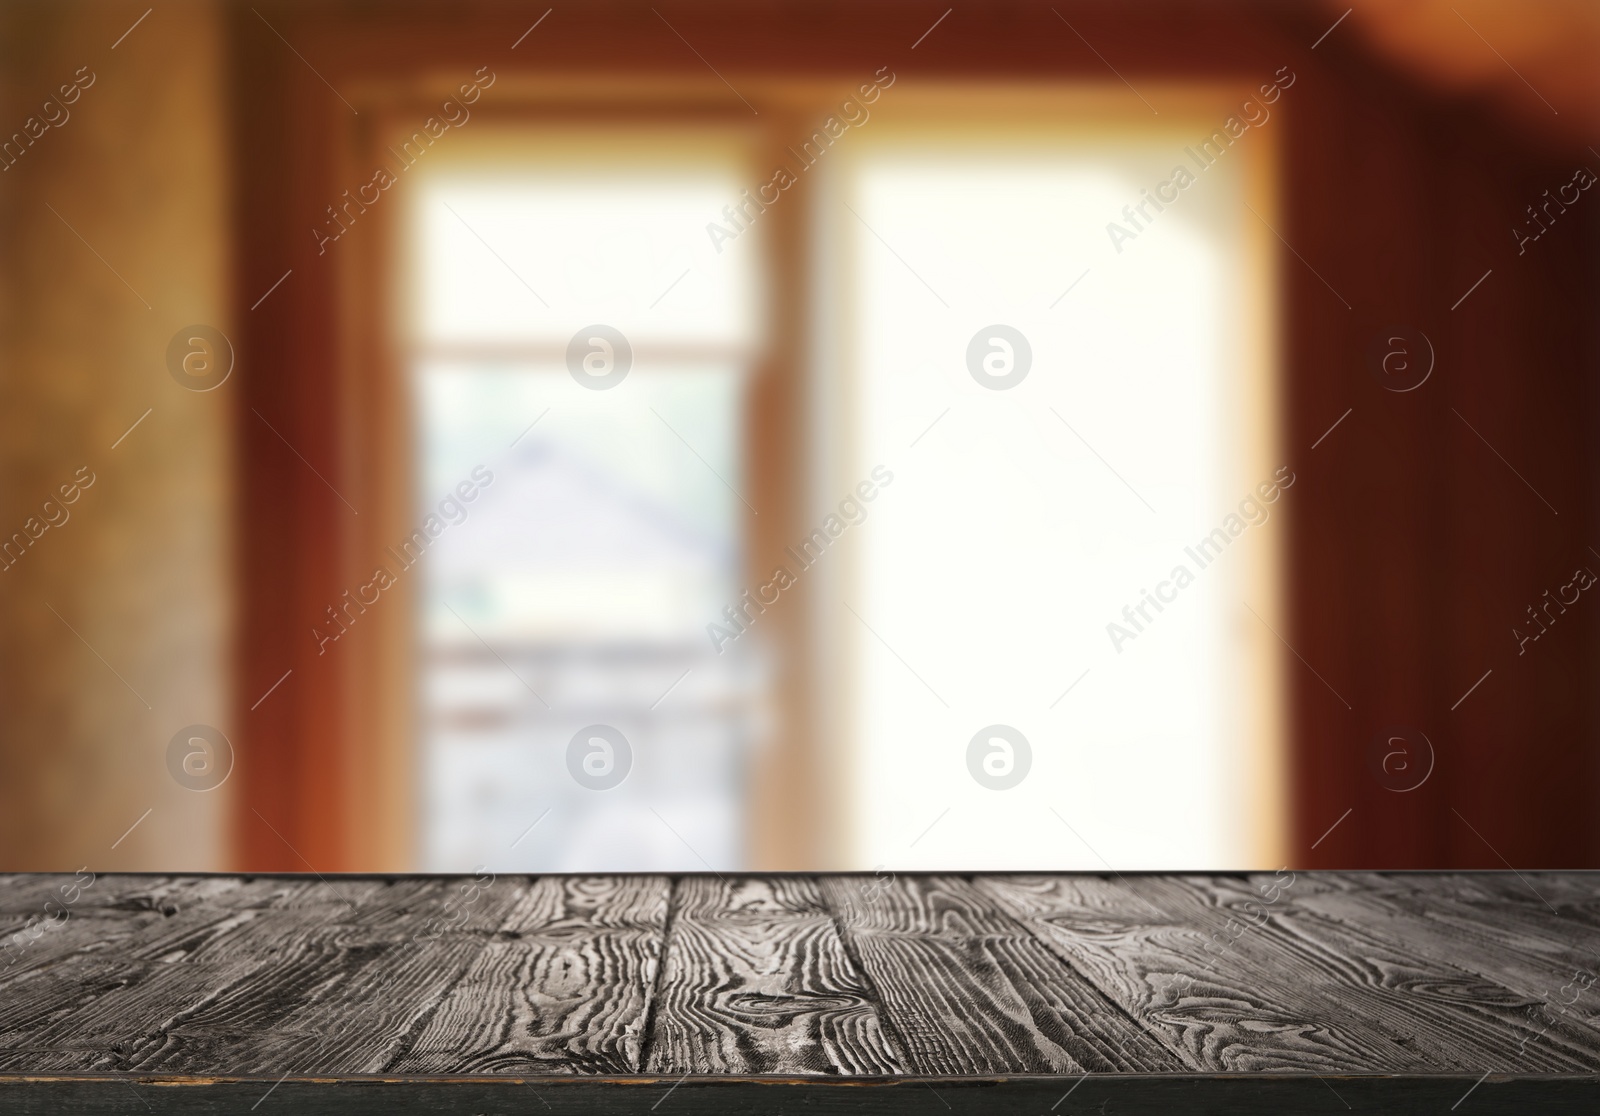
967,990
68,918
1459,1018
562,986
80,974
1246,984
1397,991
380,959
265,982
1549,958
757,980
1220,1010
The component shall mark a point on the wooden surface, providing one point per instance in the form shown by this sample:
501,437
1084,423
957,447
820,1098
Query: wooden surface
1065,993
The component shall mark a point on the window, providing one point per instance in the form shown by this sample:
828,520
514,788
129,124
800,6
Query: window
581,367
1023,519
985,570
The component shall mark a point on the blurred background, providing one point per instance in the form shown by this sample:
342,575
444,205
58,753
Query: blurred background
798,436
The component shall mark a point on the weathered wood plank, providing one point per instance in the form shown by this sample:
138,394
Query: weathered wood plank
382,965
1462,1017
1364,1002
1221,1010
25,895
1569,901
1447,976
757,981
72,913
563,986
96,955
1551,961
266,987
1568,893
967,990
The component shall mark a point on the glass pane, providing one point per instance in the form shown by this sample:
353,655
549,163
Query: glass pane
568,682
1023,520
536,240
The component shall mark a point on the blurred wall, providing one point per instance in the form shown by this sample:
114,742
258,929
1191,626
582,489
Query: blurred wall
114,623
1426,524
1432,519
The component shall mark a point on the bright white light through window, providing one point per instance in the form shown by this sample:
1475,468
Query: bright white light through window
577,589
1022,521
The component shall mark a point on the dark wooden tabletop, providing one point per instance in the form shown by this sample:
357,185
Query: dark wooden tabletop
1315,992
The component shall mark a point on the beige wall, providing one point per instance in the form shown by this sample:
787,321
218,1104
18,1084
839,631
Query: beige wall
142,568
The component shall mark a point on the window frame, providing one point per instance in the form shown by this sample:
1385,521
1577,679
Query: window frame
339,789
365,788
